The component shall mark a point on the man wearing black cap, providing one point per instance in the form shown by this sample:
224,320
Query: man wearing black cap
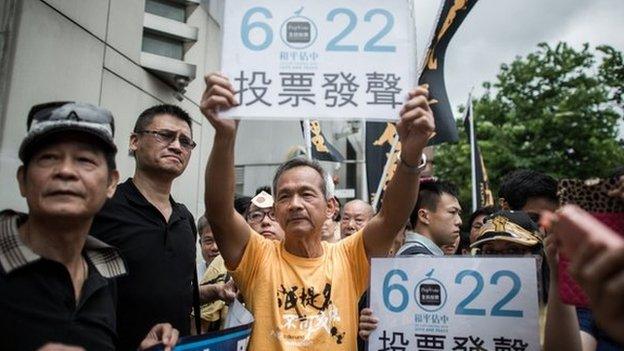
56,281
156,235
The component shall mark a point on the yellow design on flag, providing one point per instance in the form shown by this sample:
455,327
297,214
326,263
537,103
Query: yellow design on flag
318,140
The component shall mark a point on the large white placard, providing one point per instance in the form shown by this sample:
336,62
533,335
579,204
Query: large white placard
454,303
339,59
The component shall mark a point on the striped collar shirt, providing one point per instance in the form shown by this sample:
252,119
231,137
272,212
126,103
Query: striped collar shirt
15,254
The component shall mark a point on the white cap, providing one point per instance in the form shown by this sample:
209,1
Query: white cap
263,200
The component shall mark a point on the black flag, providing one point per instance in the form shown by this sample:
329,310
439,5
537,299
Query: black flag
321,149
380,141
451,17
481,192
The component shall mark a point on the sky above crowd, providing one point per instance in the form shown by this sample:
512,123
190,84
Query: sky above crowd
496,31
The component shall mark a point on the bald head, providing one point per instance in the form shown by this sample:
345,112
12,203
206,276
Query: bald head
355,215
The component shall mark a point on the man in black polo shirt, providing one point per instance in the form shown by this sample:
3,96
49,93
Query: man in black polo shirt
56,281
155,234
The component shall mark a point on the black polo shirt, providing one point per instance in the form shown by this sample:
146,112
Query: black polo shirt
37,303
160,256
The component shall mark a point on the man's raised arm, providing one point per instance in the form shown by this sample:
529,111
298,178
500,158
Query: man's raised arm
230,229
414,128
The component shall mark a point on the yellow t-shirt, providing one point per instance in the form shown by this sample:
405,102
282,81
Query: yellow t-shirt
303,303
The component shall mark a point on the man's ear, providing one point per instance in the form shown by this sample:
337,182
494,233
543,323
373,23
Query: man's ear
132,147
21,180
113,179
503,204
331,208
423,216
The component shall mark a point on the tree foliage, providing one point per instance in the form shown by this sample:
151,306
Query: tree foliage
556,110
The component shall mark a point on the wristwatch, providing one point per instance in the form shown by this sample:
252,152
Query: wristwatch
415,169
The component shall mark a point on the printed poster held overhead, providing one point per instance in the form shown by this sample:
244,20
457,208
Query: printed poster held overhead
323,59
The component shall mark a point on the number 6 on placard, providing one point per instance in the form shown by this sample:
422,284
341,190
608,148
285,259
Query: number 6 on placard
246,27
387,289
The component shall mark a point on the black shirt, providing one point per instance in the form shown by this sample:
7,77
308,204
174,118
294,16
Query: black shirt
160,256
37,303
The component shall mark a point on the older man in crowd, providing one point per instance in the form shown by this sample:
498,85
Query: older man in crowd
57,282
355,215
303,292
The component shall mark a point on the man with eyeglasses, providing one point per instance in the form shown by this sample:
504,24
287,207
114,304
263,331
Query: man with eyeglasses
261,217
155,234
217,286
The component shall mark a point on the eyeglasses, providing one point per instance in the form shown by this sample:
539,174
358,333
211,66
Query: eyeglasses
258,216
167,137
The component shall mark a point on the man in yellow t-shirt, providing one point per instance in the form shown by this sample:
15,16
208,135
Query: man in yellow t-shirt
303,292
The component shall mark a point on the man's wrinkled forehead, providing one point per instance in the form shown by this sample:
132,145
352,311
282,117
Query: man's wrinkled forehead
358,208
56,141
306,178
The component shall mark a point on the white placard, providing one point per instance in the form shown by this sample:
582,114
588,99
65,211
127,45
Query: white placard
454,303
319,59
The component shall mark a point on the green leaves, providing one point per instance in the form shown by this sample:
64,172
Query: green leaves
555,110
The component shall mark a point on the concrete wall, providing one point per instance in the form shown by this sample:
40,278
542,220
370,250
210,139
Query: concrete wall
88,50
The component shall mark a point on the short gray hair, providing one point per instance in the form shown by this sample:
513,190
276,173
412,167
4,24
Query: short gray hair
202,223
301,162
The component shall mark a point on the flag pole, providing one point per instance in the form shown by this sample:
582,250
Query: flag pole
365,194
473,162
307,137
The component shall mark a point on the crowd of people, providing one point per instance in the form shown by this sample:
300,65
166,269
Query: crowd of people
100,265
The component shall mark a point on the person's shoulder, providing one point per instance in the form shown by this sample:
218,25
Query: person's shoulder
414,249
352,239
9,214
266,247
184,210
119,197
124,188
347,246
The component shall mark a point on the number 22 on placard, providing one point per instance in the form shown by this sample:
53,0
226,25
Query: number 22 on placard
370,46
462,308
497,309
